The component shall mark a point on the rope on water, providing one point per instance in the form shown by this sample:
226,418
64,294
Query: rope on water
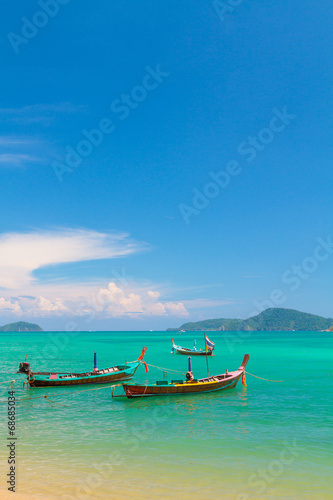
165,369
8,382
61,394
53,403
266,379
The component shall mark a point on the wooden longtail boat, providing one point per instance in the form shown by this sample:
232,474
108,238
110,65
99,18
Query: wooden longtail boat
112,374
192,352
221,382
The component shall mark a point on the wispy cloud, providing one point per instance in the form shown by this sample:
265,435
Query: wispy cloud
20,151
9,141
197,288
23,253
17,160
38,113
249,276
204,303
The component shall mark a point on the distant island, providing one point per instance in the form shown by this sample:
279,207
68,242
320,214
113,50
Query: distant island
21,326
273,319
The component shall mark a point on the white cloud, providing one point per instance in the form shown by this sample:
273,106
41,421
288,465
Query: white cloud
46,306
176,309
21,254
8,306
110,301
33,306
117,301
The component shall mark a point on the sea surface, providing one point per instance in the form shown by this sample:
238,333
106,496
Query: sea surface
272,439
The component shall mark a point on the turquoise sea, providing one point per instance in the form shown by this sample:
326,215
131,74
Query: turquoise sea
269,440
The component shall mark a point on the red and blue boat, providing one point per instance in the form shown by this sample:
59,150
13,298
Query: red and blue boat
221,382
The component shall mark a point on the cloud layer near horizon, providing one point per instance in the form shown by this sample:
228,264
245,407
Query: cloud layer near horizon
112,301
22,254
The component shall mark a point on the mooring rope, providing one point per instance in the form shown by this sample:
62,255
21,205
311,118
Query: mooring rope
141,396
144,392
266,379
53,403
61,394
8,382
165,369
291,379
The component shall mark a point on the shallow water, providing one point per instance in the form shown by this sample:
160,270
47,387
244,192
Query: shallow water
269,440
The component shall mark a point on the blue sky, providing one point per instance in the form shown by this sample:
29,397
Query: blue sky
138,235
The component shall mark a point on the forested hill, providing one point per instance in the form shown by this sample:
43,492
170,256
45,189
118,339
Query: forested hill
277,319
21,326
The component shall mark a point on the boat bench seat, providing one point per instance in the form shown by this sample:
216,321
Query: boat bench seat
177,381
162,382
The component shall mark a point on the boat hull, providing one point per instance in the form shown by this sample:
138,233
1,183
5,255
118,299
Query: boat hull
113,374
189,352
93,379
210,384
133,390
104,376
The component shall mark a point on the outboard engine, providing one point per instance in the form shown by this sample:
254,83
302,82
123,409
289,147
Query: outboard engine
24,367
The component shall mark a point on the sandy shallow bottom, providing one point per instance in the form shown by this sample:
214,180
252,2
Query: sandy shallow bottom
141,485
44,478
154,491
